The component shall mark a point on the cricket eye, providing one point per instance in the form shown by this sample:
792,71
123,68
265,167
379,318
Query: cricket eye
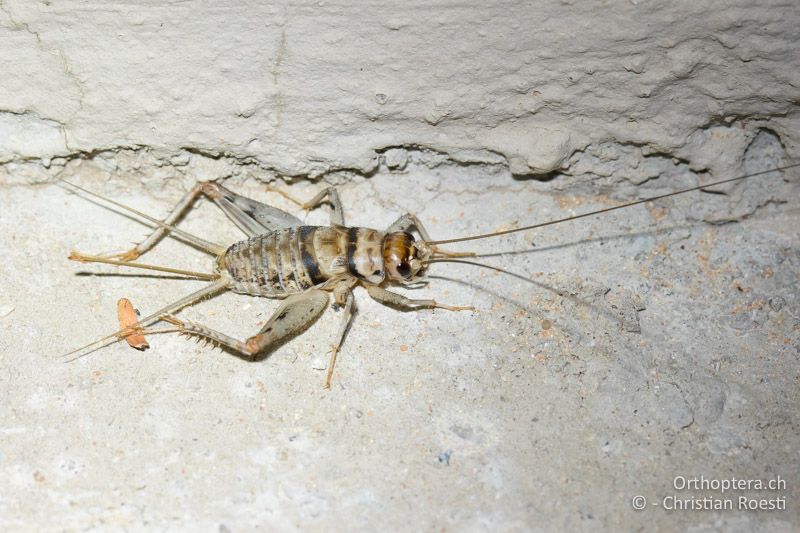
404,269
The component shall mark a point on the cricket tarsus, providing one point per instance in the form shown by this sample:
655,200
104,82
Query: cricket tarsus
613,208
84,258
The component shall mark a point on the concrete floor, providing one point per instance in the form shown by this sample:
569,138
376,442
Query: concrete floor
650,346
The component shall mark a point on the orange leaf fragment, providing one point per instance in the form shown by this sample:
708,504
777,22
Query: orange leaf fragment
127,317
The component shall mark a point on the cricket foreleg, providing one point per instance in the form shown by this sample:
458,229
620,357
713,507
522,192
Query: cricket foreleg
385,297
408,222
347,319
294,315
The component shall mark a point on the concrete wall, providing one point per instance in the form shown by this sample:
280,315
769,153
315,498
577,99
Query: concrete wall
306,88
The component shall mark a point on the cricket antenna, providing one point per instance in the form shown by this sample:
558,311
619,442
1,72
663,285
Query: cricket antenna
560,292
483,265
607,209
522,277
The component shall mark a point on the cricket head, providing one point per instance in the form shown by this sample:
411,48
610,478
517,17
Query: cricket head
404,259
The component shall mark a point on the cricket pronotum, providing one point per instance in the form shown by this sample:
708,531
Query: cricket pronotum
300,265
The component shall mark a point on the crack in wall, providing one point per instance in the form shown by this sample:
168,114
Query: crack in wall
62,58
26,132
594,169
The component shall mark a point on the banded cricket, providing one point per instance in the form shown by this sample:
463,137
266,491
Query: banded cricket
303,265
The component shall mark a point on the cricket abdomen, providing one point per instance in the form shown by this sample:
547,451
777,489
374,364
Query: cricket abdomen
292,260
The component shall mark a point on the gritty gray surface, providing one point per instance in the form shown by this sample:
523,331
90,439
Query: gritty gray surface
669,347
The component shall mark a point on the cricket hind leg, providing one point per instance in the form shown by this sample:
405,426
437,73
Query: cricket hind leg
206,292
294,315
151,240
179,234
252,217
381,295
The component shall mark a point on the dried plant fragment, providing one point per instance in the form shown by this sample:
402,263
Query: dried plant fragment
128,317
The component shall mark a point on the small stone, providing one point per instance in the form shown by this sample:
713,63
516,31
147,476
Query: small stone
776,304
466,433
741,321
180,159
444,457
319,362
396,158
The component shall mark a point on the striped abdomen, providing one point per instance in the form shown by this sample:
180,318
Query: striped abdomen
292,260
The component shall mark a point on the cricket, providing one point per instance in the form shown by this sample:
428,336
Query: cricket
303,266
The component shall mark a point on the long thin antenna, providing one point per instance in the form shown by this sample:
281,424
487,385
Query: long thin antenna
554,290
484,265
210,247
607,209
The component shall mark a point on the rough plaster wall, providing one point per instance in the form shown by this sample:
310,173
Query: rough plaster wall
667,346
308,88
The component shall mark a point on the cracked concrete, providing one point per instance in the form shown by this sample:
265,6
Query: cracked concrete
647,343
